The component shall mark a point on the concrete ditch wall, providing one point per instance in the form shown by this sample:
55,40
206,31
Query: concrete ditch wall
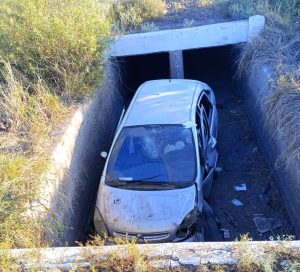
190,256
254,92
77,165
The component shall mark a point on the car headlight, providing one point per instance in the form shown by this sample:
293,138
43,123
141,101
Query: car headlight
186,225
99,224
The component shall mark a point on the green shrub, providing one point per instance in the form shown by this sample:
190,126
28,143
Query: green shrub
278,47
29,119
280,10
133,12
61,41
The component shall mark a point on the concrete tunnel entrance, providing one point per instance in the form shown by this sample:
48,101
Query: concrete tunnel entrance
135,70
239,156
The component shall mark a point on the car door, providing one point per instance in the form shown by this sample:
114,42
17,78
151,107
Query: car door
210,120
210,110
207,146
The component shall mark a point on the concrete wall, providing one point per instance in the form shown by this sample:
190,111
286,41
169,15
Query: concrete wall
254,92
187,256
77,165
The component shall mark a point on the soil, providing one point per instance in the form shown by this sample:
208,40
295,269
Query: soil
187,13
242,162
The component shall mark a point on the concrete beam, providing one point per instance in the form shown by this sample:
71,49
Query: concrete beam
256,25
187,38
169,255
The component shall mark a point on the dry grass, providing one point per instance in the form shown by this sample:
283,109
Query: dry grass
278,47
128,259
267,258
48,49
27,120
62,41
205,3
149,27
129,13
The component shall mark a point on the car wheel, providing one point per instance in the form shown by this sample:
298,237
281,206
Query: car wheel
211,224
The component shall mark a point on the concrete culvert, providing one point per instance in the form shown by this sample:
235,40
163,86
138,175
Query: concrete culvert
241,163
239,154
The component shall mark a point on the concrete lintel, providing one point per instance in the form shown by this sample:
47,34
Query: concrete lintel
187,38
169,254
176,64
256,25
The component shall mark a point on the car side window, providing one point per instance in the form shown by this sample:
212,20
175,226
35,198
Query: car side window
201,134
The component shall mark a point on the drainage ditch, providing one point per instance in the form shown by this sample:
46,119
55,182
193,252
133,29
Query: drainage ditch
239,155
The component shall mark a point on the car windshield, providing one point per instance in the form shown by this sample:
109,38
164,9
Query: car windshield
153,154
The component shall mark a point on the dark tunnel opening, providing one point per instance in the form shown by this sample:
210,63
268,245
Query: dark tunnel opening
214,66
135,70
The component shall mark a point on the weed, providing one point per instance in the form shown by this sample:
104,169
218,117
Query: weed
50,50
188,23
282,10
266,257
278,47
128,13
127,259
205,3
149,27
28,117
60,41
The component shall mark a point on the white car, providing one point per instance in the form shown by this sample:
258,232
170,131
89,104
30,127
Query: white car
161,163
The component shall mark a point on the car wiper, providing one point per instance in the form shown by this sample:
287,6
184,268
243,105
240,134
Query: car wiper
147,178
141,184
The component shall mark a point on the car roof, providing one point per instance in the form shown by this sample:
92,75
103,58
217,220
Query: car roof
163,102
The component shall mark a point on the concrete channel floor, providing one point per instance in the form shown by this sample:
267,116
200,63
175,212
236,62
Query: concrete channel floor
242,162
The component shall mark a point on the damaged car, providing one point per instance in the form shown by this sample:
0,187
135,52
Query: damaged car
161,164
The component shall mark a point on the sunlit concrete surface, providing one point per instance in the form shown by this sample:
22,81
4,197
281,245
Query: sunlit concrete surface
188,38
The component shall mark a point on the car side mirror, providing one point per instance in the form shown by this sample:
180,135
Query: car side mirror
104,155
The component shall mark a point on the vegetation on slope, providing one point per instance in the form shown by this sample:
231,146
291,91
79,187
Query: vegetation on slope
128,13
51,55
279,47
50,50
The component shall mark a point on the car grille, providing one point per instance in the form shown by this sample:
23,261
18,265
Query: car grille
152,236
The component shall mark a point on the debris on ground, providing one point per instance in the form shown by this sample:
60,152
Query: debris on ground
226,234
236,202
264,196
230,219
258,214
264,224
241,187
218,169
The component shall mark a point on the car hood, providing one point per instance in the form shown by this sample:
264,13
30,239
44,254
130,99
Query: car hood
132,211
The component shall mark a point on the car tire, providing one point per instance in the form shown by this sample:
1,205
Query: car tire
211,224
